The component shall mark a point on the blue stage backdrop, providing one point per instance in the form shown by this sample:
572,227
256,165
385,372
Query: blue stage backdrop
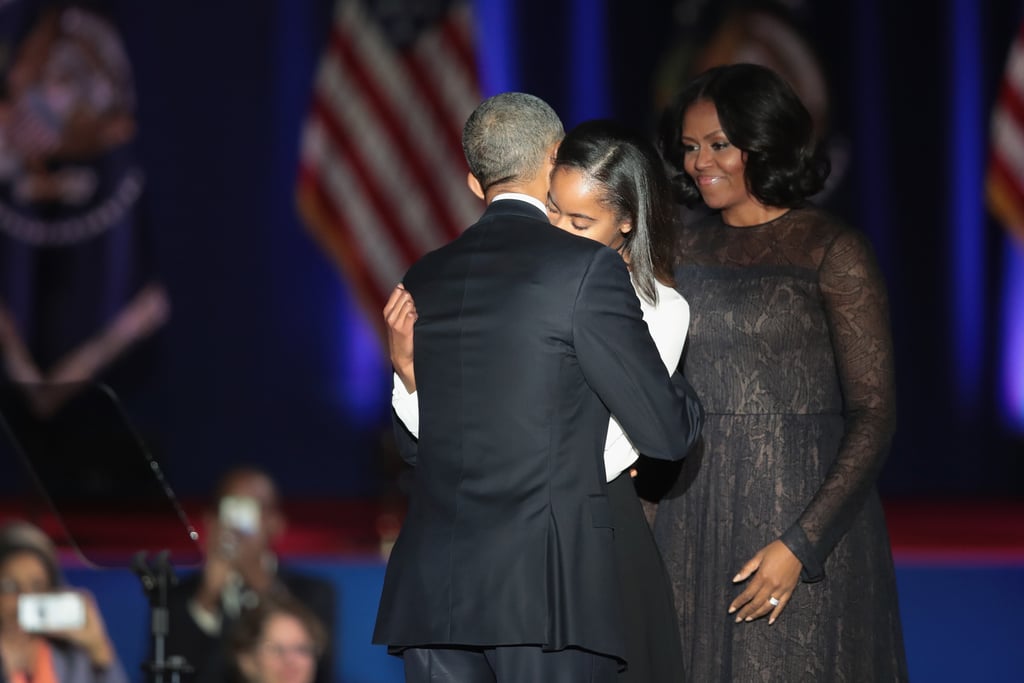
266,358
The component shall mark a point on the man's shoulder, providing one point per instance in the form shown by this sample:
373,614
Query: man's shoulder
526,229
511,232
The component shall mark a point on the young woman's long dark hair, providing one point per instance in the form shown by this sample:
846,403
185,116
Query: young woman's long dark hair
634,185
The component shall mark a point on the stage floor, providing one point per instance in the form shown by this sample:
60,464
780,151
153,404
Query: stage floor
960,571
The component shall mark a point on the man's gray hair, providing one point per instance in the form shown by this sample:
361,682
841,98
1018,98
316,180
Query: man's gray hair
508,138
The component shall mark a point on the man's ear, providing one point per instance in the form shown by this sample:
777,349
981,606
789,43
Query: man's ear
474,185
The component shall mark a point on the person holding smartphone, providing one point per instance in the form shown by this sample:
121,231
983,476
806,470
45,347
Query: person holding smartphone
49,633
240,572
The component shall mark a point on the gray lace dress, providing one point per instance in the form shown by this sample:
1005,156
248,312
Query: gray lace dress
790,351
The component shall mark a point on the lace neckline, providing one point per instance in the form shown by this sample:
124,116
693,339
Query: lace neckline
755,226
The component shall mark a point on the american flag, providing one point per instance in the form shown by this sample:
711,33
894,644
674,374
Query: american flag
1005,179
382,178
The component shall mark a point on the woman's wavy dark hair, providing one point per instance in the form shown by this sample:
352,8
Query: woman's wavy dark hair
633,185
762,116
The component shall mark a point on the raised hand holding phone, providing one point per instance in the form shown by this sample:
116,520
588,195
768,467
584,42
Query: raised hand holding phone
49,612
70,615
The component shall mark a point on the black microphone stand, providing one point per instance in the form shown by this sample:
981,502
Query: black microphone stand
157,578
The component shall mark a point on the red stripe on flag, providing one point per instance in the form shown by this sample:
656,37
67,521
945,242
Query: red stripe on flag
447,121
1013,182
381,205
458,41
391,121
335,235
434,99
335,228
1005,182
323,202
1012,102
1005,201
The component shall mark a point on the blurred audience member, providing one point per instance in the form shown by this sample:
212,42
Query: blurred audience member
240,572
79,291
44,641
278,642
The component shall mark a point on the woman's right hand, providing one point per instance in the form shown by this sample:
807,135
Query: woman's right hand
400,316
92,636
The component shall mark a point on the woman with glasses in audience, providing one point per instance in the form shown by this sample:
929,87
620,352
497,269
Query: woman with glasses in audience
278,641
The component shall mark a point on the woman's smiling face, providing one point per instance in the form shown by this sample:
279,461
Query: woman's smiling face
716,166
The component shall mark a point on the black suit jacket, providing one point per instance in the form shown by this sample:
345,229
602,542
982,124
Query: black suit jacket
526,337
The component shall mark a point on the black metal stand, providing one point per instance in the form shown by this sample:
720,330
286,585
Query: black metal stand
157,578
50,426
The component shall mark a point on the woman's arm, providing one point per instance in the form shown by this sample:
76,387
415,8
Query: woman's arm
668,322
400,317
856,307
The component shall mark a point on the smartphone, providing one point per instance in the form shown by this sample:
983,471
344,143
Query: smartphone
51,611
240,513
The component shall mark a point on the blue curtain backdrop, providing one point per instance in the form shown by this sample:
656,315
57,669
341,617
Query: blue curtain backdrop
912,85
267,359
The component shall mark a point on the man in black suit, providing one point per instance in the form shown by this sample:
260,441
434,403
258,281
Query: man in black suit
526,337
240,569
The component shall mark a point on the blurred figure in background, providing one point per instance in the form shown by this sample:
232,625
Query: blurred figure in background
34,647
278,642
240,572
78,287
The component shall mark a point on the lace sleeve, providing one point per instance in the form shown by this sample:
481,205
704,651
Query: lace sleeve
858,315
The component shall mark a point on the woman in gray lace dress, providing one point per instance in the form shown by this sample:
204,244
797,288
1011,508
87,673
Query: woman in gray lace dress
773,534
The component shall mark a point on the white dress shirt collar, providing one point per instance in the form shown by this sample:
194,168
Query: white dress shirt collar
523,198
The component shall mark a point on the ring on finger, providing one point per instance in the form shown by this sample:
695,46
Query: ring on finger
773,601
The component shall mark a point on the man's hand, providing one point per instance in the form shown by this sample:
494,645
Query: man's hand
774,573
400,316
